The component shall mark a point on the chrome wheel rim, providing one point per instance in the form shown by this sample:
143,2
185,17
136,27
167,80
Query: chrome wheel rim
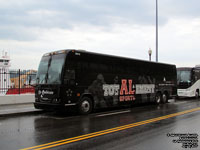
158,99
85,106
164,98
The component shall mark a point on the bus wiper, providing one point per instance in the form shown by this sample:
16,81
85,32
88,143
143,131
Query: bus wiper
47,74
38,81
46,77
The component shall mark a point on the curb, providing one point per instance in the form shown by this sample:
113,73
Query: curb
11,114
25,103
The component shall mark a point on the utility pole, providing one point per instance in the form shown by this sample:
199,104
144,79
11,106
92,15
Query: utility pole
156,30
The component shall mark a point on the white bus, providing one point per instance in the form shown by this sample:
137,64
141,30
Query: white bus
188,81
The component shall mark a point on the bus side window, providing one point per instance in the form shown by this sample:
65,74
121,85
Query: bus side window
69,77
196,74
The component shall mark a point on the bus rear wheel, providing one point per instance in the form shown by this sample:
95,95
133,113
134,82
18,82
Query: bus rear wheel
164,98
158,98
85,106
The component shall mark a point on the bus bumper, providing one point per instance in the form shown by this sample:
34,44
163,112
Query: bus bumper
46,106
185,93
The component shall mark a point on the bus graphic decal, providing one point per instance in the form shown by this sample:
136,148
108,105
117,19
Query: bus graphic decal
145,88
111,89
127,90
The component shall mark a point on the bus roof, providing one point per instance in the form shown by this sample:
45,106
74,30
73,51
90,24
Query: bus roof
188,68
184,68
89,52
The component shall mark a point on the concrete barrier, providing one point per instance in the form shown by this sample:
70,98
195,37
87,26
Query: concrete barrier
16,99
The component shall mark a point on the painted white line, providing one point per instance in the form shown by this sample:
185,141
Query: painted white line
114,113
177,102
180,102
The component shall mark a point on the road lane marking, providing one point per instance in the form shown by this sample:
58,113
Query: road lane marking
107,131
114,113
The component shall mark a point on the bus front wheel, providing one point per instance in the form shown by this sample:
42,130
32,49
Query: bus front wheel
85,106
197,94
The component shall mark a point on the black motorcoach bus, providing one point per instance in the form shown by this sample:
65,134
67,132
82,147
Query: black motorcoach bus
90,80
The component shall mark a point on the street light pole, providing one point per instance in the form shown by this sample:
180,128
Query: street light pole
150,52
156,30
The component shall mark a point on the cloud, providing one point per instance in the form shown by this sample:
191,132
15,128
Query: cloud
179,8
135,43
30,28
23,15
179,41
64,14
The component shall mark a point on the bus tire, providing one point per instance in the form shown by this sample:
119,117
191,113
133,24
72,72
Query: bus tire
197,94
85,106
158,98
164,98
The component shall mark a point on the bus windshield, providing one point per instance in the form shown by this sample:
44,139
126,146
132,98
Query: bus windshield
50,68
184,76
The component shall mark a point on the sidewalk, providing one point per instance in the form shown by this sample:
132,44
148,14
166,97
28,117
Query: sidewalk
14,109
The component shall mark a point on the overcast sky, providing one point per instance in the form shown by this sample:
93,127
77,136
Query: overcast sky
30,28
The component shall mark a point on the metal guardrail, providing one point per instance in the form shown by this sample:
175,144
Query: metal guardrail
17,81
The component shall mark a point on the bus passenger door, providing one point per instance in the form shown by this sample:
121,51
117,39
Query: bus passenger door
69,86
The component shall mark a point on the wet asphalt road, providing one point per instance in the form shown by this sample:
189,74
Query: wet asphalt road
23,131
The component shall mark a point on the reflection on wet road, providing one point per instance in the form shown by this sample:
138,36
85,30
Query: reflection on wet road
28,131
